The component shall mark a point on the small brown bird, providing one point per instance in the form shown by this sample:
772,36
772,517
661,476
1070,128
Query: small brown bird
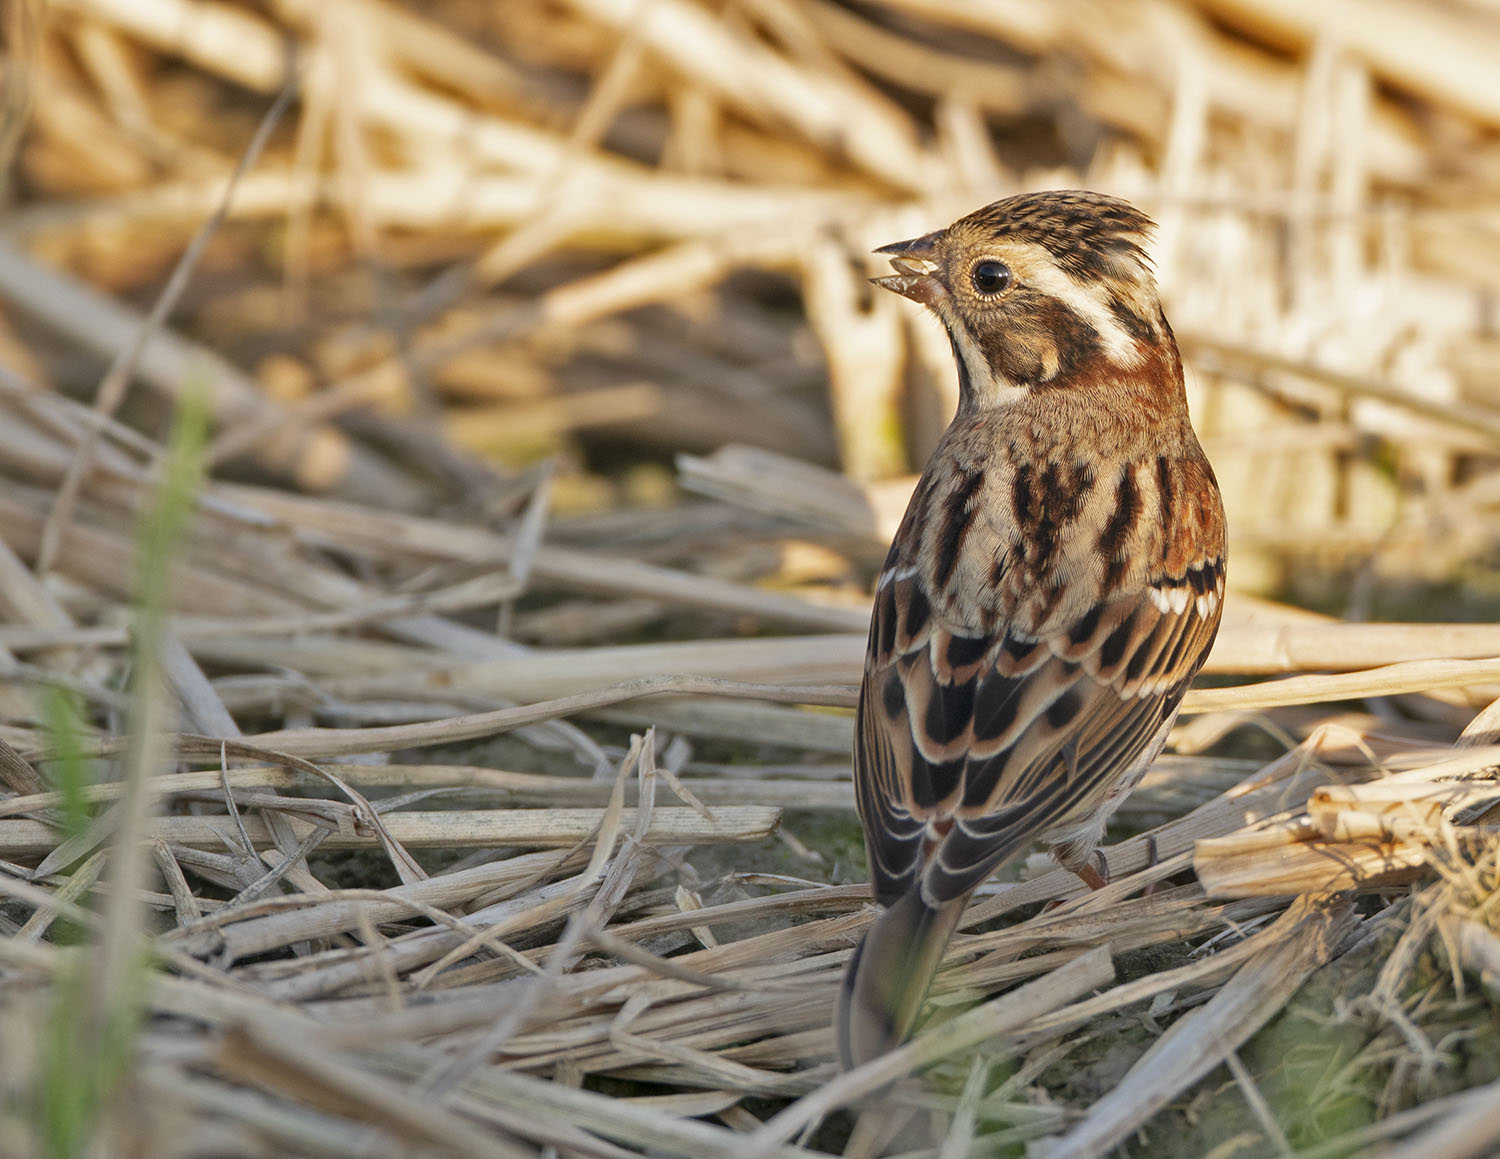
1055,585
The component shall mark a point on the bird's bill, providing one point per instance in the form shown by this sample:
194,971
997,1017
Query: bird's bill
916,265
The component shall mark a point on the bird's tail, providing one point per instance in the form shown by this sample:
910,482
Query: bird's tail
888,976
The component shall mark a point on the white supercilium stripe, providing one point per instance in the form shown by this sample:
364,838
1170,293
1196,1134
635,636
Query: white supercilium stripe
1091,303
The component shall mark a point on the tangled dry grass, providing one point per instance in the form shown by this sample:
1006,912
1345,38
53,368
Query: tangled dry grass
444,453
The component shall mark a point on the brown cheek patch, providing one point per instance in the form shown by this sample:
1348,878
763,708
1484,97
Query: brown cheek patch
1018,354
1075,340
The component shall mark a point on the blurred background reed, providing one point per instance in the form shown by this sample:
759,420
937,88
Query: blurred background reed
491,233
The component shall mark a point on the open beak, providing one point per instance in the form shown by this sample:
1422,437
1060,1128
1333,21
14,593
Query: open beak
916,266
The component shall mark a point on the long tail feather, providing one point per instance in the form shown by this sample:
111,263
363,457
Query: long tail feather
888,976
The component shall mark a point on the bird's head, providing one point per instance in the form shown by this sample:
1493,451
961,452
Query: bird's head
1036,289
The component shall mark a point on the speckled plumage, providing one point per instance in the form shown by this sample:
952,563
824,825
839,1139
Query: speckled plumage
1055,585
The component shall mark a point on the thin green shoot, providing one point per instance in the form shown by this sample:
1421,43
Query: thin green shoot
100,996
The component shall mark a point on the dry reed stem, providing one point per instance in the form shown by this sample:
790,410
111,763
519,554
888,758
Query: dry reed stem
527,827
276,1058
1309,934
1468,1130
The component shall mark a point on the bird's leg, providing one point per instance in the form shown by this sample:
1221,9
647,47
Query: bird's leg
1098,878
1094,878
1085,872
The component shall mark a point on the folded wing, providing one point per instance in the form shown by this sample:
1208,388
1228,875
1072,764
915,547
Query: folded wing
970,745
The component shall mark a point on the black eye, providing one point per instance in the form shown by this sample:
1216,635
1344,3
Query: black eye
990,277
